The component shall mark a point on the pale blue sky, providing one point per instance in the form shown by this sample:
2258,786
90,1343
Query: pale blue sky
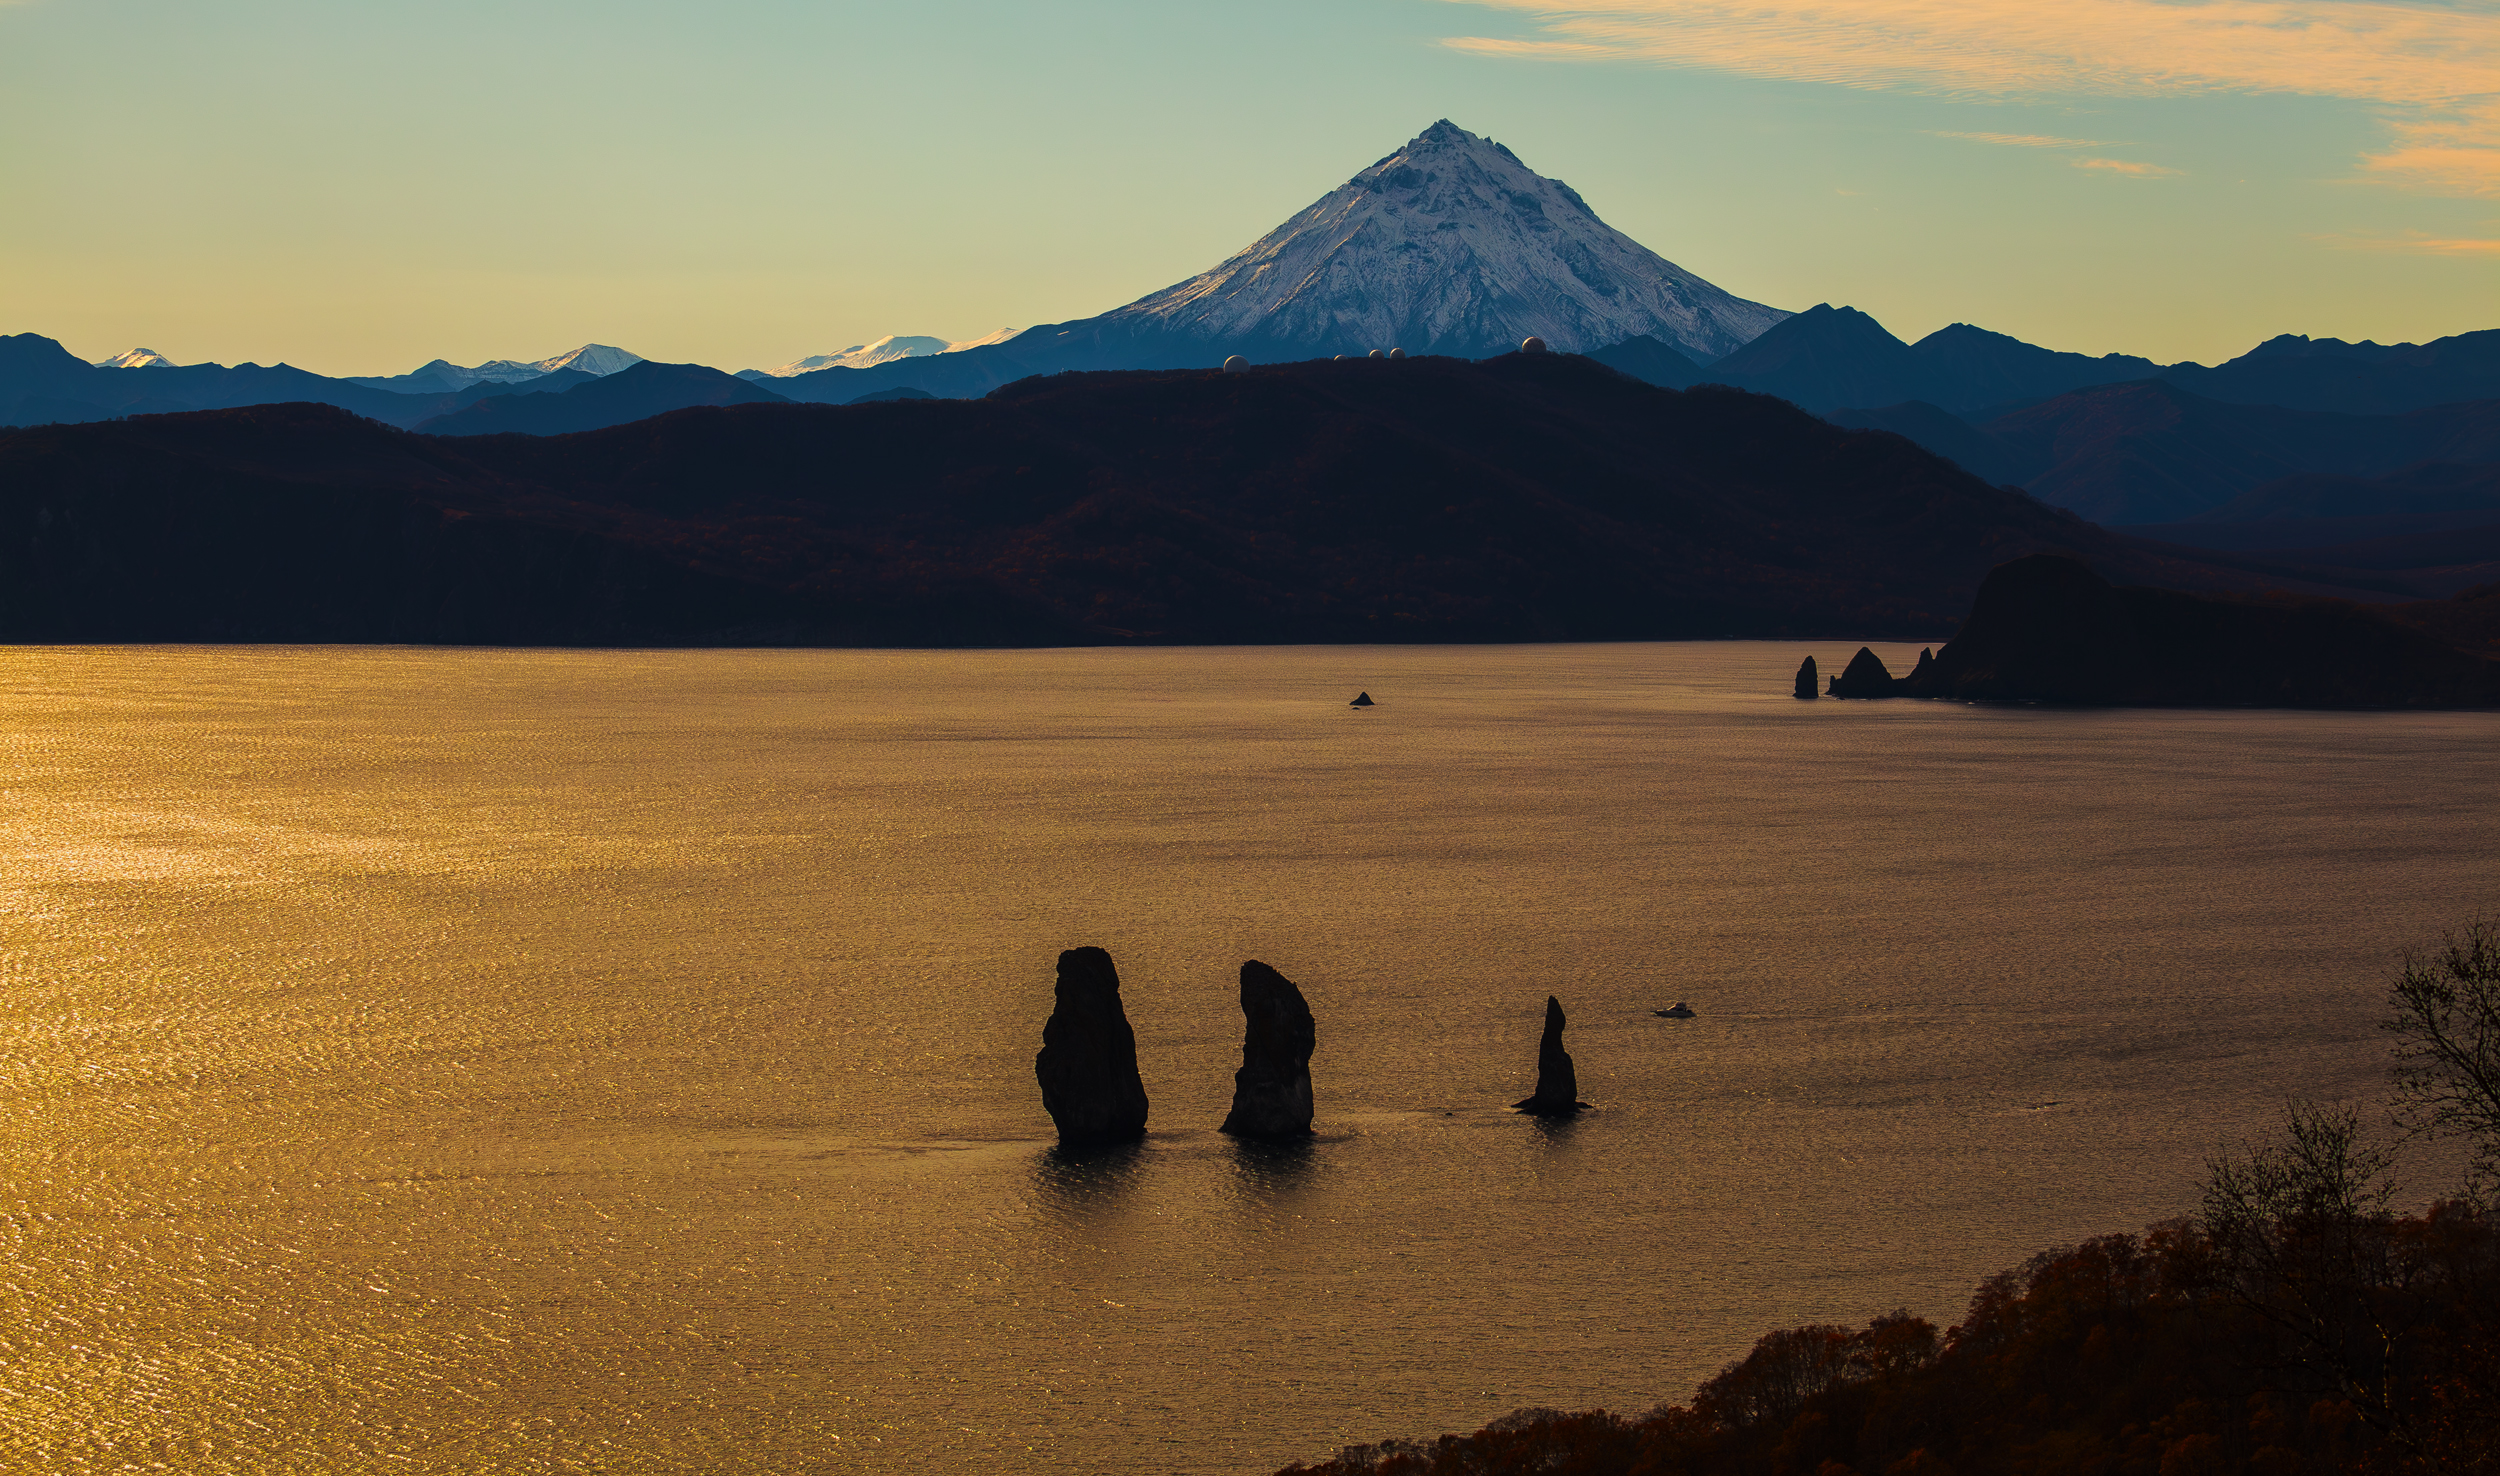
358,187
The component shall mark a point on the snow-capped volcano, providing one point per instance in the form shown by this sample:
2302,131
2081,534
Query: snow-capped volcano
138,358
1449,245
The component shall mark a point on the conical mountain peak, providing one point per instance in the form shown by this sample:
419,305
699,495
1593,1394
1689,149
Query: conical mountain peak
138,358
1449,245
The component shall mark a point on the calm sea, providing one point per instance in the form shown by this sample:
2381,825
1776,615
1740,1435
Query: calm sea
518,1062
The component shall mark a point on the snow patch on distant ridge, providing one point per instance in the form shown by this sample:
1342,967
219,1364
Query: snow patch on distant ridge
593,358
884,351
442,375
984,341
138,358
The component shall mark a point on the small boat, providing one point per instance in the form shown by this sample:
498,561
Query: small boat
1682,1011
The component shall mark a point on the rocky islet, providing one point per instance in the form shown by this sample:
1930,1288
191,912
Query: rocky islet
1095,1095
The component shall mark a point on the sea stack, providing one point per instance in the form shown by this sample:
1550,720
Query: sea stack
1865,677
1806,681
1557,1086
1363,699
1272,1090
1088,1062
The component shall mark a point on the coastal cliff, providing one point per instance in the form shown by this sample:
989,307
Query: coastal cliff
2047,628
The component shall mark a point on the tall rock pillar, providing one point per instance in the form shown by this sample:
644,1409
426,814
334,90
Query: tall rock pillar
1272,1090
1088,1062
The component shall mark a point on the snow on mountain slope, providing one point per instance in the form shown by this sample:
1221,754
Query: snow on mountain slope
1450,245
984,341
590,358
138,358
862,355
884,351
443,376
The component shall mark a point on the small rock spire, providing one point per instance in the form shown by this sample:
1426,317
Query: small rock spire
1557,1085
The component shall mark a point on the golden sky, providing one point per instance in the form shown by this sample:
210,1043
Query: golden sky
359,188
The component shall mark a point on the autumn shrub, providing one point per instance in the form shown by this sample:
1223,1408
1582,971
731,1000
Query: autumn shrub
2295,1326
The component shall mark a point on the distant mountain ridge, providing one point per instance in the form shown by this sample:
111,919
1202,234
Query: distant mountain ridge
441,376
637,393
2149,451
1828,358
1837,358
2124,441
2362,379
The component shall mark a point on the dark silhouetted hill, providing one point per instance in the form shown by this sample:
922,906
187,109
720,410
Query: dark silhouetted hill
2437,519
1528,497
554,382
1652,362
2151,452
636,393
2047,628
1824,358
1949,436
1971,368
2425,487
1832,359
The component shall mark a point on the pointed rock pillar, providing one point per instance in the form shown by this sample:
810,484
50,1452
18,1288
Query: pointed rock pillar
1272,1090
1088,1061
1922,678
1806,681
1557,1085
1864,677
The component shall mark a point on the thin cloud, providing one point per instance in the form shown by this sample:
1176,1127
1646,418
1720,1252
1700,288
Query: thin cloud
2029,140
2434,72
2127,167
2414,243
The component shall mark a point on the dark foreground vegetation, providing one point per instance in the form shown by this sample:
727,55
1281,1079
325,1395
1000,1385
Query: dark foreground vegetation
2294,1325
1529,497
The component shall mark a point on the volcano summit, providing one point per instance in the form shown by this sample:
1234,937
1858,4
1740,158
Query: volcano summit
1448,246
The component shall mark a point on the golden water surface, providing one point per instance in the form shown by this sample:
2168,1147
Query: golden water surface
469,1061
